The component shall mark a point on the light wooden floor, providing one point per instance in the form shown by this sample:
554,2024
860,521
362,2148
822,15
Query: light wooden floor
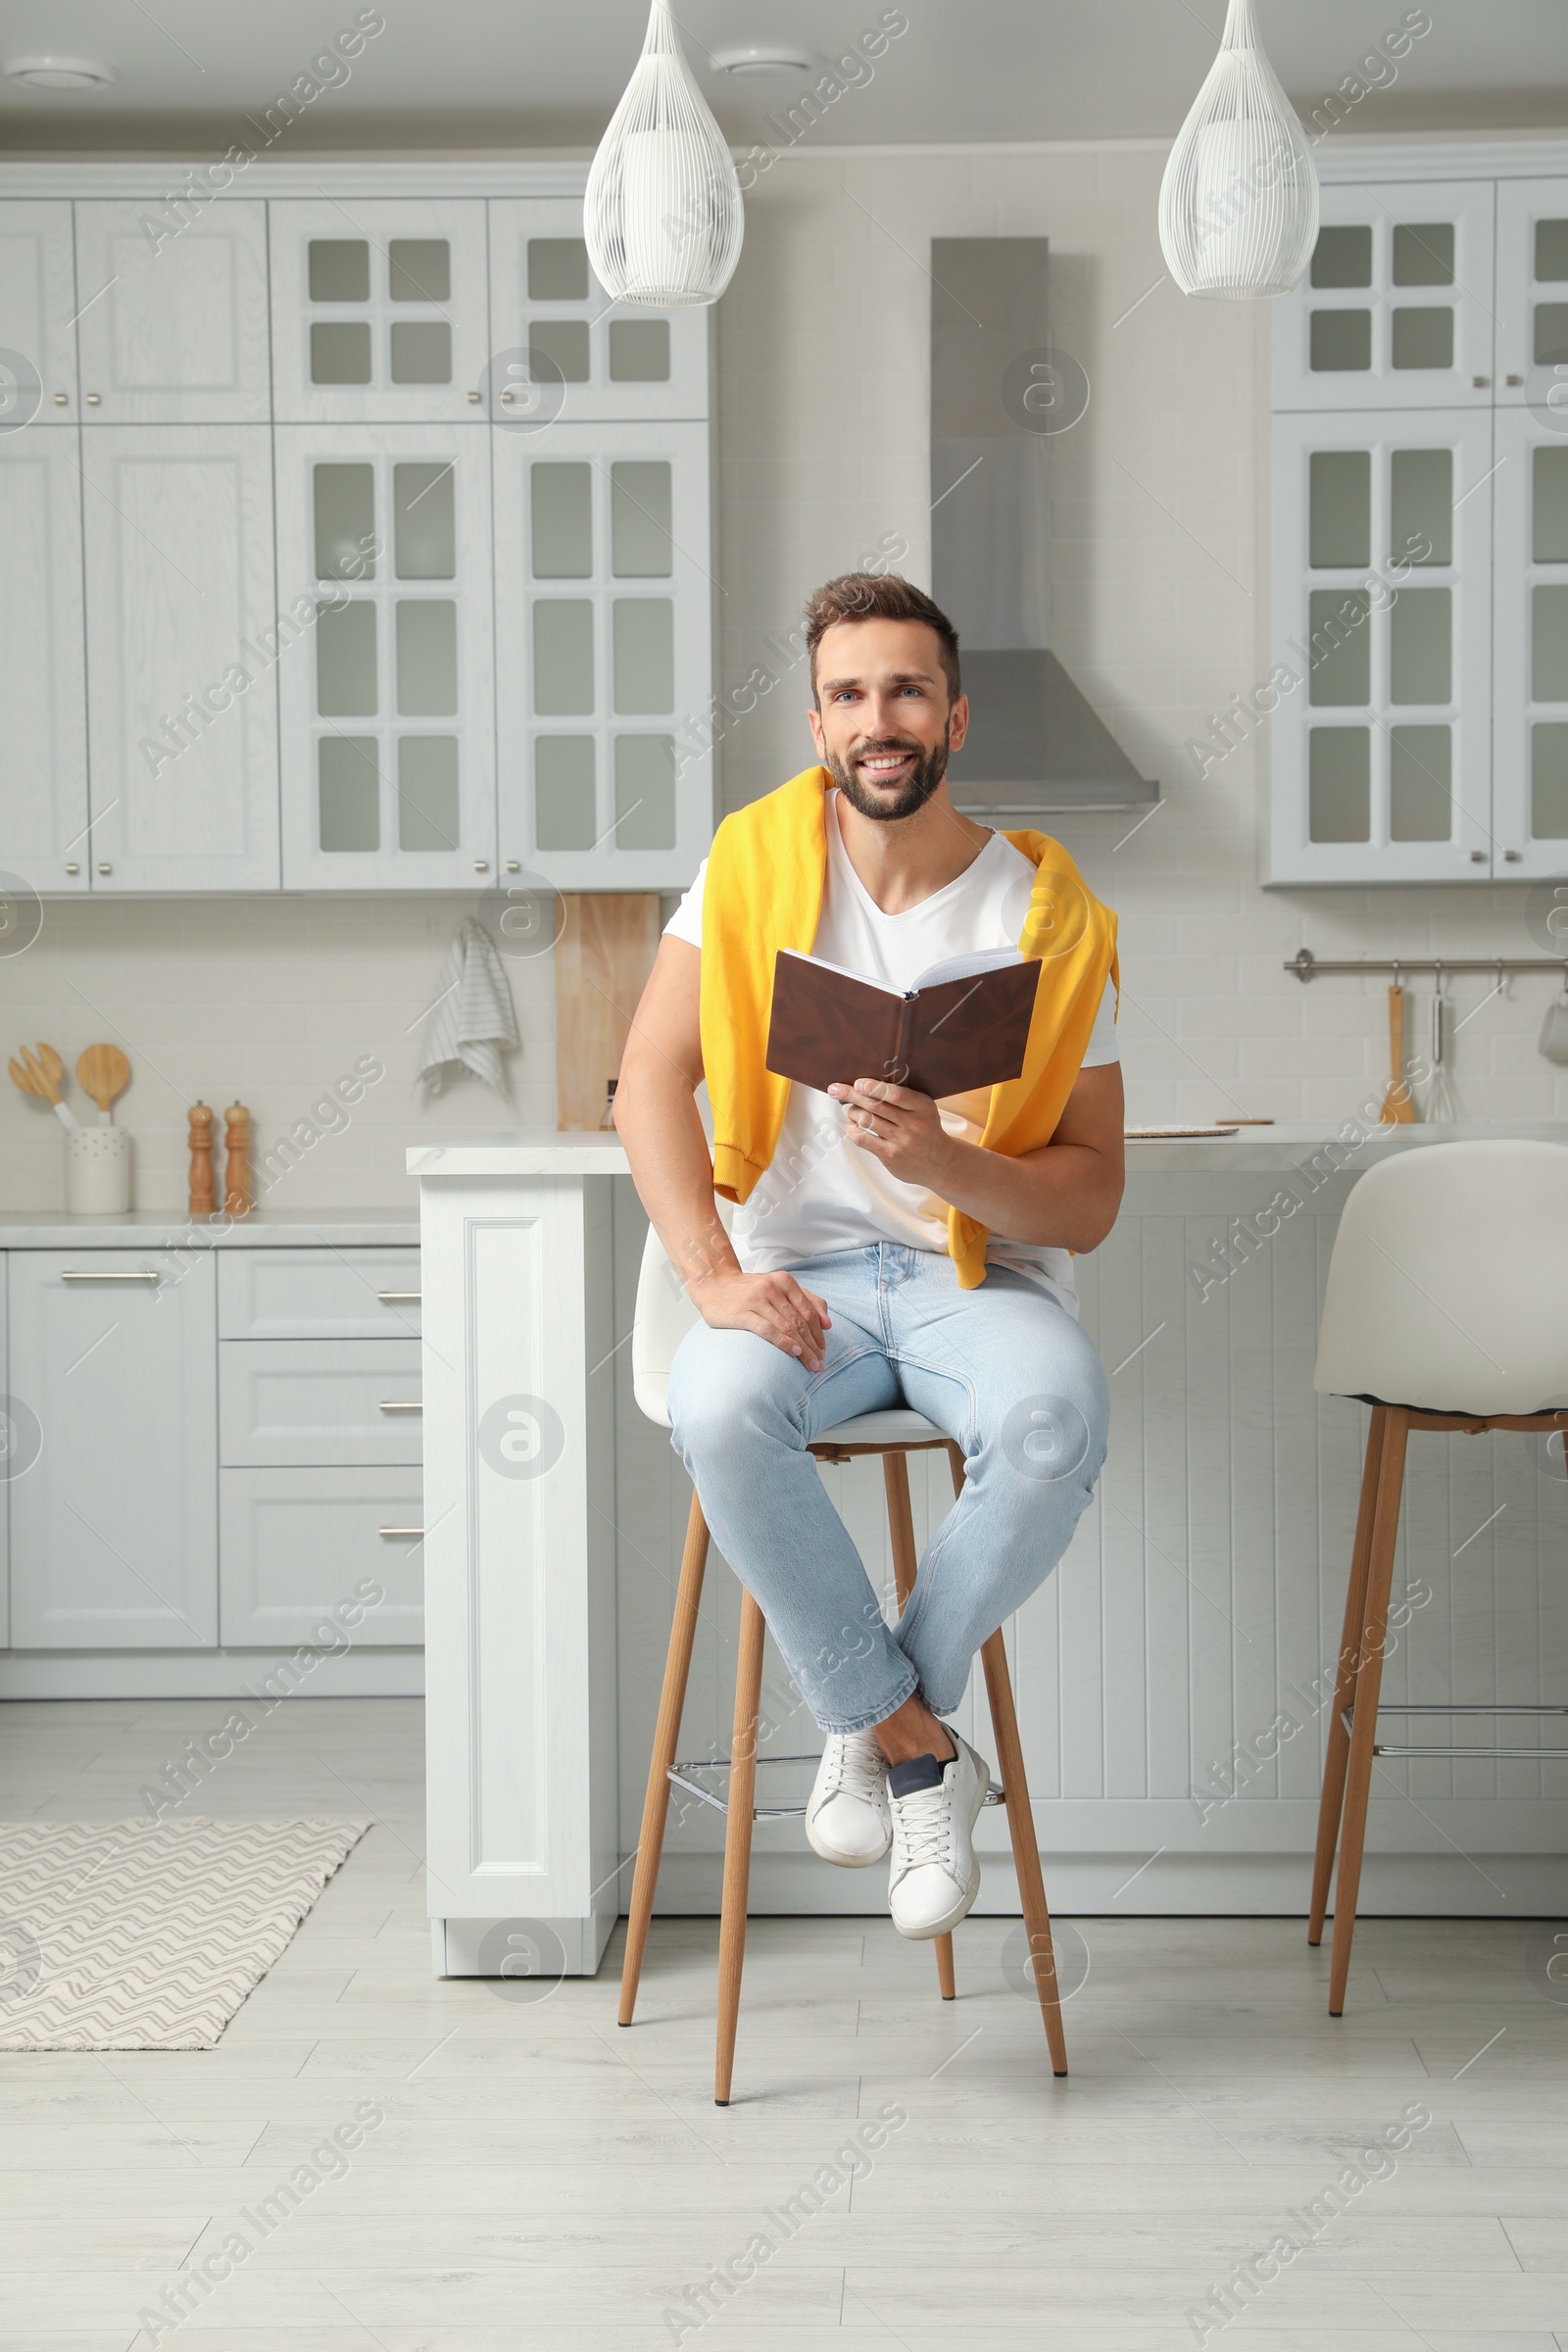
543,2179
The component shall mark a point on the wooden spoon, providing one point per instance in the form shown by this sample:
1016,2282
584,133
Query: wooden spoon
102,1073
1396,1111
41,1074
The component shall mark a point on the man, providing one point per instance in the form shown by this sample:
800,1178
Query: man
889,1250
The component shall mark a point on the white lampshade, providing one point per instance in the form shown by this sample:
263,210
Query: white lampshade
1238,205
662,216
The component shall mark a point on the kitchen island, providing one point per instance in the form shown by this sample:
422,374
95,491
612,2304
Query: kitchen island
1170,1675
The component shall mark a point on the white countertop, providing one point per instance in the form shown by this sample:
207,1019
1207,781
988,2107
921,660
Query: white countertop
165,1229
541,1152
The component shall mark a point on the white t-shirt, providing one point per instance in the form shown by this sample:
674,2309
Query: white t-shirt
823,1194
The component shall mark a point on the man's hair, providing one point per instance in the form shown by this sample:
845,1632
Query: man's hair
873,596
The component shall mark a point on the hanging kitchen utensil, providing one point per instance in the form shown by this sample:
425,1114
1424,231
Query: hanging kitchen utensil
41,1074
1397,1111
1439,1098
1554,1028
102,1073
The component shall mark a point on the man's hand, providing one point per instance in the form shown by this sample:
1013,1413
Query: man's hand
773,1305
899,1127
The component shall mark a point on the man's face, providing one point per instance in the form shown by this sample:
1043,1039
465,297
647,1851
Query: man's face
883,724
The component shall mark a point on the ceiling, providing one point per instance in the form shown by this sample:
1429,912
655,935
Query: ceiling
505,73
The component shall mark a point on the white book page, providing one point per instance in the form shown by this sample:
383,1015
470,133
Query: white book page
824,966
968,968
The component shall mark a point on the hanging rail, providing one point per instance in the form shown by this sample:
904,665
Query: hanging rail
1308,966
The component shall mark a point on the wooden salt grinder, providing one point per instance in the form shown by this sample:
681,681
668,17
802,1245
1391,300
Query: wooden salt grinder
237,1143
201,1160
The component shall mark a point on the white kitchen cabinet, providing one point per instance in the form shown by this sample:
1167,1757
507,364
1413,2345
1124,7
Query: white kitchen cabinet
561,349
1529,763
284,1294
37,310
114,1530
379,311
1396,307
297,1544
388,714
43,744
319,1403
183,645
1381,748
604,662
1533,298
172,326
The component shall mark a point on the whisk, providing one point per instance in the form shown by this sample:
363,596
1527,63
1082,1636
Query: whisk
1440,1111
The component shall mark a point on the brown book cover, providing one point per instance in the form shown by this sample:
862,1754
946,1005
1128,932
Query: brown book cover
963,1024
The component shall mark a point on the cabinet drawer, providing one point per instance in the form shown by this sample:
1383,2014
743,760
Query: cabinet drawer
319,1401
318,1294
294,1545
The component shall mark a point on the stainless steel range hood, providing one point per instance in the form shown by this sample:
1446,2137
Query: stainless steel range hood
1035,744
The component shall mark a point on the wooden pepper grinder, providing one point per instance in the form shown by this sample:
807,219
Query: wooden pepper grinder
201,1160
237,1145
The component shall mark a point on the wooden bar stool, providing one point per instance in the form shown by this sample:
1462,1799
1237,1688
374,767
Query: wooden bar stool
664,1314
1448,1290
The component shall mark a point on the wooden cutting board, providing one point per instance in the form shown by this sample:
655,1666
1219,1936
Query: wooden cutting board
603,959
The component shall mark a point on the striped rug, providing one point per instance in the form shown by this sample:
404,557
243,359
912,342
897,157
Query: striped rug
145,1935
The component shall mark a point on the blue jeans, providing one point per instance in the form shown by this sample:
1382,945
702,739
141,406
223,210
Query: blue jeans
1004,1370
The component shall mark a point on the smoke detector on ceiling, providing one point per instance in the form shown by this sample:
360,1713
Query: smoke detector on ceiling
61,72
758,58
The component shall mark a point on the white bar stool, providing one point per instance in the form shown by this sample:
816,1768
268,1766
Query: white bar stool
1446,1308
663,1316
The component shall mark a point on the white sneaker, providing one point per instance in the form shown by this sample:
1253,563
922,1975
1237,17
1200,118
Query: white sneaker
935,1872
848,1820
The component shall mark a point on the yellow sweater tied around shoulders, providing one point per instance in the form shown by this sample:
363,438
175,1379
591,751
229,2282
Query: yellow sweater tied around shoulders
763,892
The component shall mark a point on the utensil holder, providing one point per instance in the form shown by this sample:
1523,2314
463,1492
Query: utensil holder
97,1171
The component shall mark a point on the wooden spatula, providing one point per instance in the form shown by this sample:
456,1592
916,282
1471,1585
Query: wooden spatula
1396,1111
102,1073
41,1074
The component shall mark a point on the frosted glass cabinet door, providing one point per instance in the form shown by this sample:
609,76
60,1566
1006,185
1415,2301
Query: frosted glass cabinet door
1396,307
43,746
1531,763
113,1531
561,349
603,670
1377,711
172,326
37,306
182,647
1533,297
378,311
388,709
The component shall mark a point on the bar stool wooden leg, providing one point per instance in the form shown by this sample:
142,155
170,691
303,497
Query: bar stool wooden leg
1020,1824
905,1565
1339,1744
738,1842
667,1734
1368,1684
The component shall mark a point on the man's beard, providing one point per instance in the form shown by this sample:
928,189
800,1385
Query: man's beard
921,784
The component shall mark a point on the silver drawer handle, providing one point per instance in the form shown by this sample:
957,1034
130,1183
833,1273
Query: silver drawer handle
400,1531
148,1274
399,1298
390,1405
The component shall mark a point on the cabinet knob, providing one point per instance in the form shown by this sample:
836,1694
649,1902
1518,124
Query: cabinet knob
481,865
506,396
474,398
400,1531
73,868
93,399
1478,857
1513,379
60,398
513,866
1480,383
106,869
1512,857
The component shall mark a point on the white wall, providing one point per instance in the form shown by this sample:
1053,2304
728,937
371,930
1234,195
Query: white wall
1158,555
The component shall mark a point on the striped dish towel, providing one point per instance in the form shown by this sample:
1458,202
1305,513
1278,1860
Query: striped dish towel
471,1021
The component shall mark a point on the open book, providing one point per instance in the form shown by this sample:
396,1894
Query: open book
963,1024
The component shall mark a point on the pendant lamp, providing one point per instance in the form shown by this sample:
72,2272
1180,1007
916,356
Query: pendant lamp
662,216
1238,205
